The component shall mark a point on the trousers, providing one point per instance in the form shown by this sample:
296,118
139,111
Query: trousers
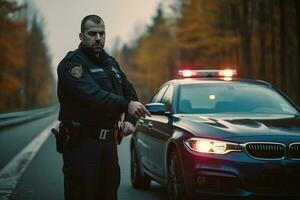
91,170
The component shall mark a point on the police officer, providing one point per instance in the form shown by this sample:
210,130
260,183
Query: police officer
93,93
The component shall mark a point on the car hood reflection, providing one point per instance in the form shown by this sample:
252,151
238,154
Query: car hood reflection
236,126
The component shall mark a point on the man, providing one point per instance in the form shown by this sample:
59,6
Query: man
93,93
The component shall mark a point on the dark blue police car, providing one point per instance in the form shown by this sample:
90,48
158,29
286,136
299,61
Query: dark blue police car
218,135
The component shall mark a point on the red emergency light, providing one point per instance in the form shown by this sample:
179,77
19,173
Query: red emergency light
225,73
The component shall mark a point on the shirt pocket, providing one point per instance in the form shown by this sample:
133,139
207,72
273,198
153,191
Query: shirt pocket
103,80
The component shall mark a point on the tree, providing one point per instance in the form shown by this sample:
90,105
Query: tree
26,80
148,63
258,37
12,56
39,77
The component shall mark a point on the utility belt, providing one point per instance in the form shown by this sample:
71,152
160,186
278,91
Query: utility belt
70,135
96,133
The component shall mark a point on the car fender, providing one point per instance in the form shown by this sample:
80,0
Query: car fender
173,143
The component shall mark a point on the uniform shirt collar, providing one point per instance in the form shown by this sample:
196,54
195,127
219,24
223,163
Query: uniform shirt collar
87,51
104,57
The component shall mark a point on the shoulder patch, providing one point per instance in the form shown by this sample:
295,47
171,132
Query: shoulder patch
76,71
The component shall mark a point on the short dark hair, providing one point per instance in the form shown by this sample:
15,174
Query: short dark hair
94,18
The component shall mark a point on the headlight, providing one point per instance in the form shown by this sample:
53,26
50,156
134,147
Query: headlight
202,145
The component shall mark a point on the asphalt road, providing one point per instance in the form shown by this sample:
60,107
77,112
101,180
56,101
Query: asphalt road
39,176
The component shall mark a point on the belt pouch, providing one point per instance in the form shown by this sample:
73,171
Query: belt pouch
75,138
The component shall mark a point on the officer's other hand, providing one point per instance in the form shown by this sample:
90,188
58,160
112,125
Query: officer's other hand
127,128
137,109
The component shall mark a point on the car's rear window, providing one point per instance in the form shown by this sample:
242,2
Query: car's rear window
232,98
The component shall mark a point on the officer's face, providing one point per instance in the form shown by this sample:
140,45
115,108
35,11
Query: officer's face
93,36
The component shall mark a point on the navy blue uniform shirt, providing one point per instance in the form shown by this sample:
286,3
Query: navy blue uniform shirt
93,91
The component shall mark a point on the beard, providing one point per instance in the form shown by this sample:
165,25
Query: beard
94,48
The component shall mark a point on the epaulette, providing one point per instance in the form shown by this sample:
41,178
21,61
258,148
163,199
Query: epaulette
71,54
69,57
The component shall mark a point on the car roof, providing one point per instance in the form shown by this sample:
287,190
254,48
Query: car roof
188,81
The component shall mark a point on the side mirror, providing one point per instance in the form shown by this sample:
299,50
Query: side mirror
156,108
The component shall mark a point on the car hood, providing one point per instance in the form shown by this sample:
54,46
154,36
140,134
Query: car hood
237,126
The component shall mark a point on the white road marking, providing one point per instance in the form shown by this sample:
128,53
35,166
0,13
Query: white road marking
11,173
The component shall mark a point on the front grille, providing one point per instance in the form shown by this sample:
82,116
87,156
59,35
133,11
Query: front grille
266,150
295,151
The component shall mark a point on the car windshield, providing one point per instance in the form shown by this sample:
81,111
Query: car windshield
232,98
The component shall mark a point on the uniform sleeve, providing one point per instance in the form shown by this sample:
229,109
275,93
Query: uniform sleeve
79,82
129,93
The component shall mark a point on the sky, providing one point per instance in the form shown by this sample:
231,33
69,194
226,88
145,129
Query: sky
61,19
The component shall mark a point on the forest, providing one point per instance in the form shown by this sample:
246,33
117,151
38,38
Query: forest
26,79
259,38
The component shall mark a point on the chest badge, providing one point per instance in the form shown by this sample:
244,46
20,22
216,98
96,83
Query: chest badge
76,71
116,72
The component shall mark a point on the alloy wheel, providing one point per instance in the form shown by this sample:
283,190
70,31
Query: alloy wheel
175,181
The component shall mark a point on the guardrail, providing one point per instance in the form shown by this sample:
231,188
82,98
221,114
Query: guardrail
7,119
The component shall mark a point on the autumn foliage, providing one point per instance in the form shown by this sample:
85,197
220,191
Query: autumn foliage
260,38
26,80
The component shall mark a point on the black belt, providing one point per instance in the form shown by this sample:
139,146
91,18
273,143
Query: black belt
97,133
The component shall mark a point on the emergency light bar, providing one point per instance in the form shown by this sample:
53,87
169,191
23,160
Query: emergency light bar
225,73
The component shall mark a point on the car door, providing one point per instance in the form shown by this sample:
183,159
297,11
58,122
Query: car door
161,130
144,131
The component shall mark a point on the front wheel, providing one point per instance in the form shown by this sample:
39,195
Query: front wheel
138,180
175,178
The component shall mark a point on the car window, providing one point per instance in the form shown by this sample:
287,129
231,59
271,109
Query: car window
167,98
232,98
157,97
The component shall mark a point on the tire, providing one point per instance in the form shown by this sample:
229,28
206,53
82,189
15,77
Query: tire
138,180
175,179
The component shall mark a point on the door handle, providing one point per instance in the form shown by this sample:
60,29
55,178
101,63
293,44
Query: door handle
150,125
141,121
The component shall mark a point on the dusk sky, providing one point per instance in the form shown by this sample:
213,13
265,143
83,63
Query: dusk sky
62,20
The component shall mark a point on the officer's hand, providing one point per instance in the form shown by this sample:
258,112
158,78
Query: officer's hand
127,128
137,109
